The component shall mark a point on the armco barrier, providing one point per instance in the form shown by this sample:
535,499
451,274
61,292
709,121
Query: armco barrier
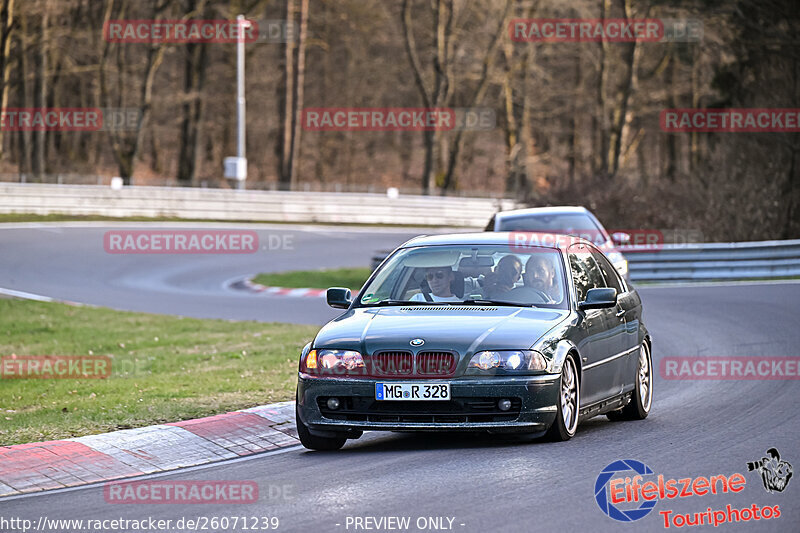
704,261
683,262
715,261
226,204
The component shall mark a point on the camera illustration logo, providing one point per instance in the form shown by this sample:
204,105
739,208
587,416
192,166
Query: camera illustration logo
615,470
775,474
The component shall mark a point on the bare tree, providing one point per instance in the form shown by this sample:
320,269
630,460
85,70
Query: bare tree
6,33
619,116
600,118
566,112
434,96
291,93
194,75
440,92
40,89
449,182
517,107
125,145
297,131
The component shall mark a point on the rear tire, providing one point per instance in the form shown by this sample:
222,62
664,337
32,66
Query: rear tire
313,442
569,401
642,398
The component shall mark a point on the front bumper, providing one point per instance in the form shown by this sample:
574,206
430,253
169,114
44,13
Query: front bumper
472,407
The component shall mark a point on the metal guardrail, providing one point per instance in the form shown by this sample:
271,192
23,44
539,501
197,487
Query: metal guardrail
252,185
261,206
715,261
672,262
704,261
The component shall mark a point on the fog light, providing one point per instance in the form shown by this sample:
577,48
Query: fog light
504,405
333,403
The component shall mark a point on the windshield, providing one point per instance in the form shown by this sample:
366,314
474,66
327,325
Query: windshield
577,224
471,275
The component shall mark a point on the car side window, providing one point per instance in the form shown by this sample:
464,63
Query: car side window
586,274
609,272
388,281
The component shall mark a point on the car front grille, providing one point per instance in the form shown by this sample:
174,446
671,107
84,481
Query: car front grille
405,364
391,364
455,411
435,364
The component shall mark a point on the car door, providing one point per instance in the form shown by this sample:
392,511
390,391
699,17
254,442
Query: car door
624,323
599,343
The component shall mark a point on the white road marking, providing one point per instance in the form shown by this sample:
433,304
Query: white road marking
26,295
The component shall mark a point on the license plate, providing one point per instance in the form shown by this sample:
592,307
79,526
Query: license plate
412,391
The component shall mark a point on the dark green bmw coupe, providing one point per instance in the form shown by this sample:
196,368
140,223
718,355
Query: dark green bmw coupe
497,332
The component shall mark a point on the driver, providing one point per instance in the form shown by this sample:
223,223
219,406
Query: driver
439,280
539,276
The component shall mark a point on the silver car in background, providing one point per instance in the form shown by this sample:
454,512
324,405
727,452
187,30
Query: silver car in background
566,220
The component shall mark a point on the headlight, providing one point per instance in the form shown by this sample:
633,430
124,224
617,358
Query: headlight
506,360
336,362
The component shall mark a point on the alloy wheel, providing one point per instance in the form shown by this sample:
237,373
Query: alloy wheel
645,378
569,395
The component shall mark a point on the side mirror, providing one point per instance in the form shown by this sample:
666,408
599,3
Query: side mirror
599,298
621,237
339,297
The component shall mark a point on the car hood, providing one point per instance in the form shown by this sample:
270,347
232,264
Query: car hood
465,329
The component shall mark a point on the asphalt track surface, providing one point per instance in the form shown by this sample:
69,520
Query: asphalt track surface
484,483
67,261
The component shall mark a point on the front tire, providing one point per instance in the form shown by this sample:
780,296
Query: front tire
569,396
641,402
313,442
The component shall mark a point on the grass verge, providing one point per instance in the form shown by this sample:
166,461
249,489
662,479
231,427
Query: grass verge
163,368
352,278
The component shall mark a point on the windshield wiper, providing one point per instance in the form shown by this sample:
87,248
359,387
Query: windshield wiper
401,302
495,302
386,303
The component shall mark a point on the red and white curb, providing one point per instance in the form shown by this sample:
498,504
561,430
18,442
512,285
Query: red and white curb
292,293
250,286
133,452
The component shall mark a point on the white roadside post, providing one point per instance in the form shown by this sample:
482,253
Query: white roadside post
236,167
